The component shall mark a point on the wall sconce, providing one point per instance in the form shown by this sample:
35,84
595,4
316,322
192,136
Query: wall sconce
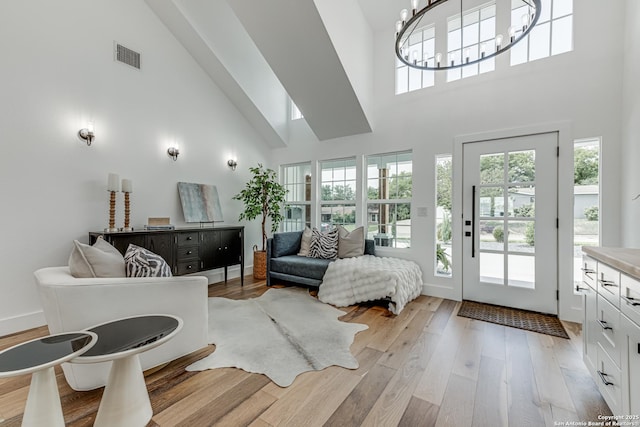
173,152
232,164
86,134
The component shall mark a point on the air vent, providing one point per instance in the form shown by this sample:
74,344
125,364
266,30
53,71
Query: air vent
127,56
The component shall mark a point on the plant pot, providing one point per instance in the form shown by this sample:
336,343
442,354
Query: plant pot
259,264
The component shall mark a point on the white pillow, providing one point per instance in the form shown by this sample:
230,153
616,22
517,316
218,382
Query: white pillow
305,242
99,260
350,244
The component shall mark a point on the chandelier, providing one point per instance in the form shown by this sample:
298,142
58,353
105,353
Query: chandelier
409,28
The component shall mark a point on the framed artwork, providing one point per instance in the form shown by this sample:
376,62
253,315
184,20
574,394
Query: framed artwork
200,202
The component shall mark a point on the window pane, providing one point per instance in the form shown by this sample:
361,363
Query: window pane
415,79
402,79
562,8
522,166
522,271
492,168
491,202
562,35
492,268
521,236
522,201
519,52
539,39
488,29
546,11
492,235
443,223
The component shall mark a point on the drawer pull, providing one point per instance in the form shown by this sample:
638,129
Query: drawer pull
189,252
587,270
607,282
604,379
189,238
580,288
189,267
604,325
631,301
639,348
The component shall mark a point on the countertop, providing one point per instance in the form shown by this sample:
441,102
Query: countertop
624,259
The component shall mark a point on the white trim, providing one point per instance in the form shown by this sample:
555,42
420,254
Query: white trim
23,322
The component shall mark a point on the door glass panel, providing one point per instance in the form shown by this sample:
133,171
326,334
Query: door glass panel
492,268
522,201
492,235
522,271
522,166
520,237
492,168
491,202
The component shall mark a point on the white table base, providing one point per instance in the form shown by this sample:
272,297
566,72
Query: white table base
43,402
125,401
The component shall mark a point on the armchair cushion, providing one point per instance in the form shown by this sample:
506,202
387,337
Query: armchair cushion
99,260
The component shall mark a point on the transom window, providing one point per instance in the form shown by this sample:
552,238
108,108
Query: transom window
297,180
420,47
338,193
389,188
552,35
467,40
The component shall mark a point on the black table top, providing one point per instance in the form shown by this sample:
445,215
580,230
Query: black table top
42,351
133,332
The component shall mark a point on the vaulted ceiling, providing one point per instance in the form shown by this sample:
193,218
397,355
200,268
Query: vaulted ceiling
317,52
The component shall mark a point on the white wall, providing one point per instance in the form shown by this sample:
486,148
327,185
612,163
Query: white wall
580,89
57,72
630,182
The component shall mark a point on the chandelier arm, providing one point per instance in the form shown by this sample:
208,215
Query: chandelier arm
537,4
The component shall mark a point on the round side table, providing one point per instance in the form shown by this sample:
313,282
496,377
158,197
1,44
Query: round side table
125,401
38,357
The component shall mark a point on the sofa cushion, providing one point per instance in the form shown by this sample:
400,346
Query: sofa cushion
305,242
324,245
141,262
350,244
287,243
99,260
295,265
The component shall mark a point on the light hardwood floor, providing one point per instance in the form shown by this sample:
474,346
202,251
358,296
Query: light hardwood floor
425,367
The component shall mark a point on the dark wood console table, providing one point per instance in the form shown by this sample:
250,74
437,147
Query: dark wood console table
186,250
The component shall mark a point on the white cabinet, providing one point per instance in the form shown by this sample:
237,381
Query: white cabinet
611,326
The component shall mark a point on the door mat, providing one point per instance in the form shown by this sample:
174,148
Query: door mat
513,317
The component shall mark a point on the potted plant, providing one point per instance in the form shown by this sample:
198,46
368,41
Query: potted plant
263,195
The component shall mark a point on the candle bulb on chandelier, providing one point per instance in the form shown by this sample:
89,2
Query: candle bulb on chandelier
525,22
483,50
512,33
414,6
467,53
403,16
398,27
498,42
438,59
414,56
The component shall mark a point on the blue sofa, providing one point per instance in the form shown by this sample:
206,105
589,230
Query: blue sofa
283,262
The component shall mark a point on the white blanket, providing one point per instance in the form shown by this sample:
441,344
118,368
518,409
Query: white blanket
349,281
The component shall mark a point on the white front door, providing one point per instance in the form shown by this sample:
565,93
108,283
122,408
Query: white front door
510,222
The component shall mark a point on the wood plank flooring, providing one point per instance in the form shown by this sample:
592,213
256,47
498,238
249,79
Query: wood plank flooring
425,367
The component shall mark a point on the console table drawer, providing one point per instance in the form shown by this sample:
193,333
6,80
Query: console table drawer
187,267
609,382
589,271
186,253
609,333
609,284
630,297
186,239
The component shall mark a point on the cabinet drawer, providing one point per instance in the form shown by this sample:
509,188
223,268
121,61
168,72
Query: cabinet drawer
609,284
630,297
608,378
185,253
589,271
609,333
187,267
186,239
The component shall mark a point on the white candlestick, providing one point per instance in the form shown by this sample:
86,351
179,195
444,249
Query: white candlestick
113,184
127,186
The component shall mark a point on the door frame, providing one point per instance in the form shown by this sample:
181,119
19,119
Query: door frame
569,304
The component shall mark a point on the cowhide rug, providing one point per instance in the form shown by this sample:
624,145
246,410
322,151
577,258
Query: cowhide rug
281,334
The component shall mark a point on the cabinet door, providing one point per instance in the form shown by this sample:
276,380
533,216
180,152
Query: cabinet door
209,249
231,247
590,329
631,361
161,244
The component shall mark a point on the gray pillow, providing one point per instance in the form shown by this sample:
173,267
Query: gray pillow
99,260
305,242
141,262
350,244
324,245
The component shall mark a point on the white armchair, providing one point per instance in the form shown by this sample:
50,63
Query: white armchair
72,304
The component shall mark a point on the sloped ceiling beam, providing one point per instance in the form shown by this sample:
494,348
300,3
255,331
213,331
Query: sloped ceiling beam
293,39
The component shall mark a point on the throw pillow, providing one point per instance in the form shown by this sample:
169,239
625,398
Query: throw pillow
305,243
350,244
141,262
324,245
99,260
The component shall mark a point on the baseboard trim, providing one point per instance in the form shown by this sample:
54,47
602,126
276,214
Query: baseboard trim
21,323
440,292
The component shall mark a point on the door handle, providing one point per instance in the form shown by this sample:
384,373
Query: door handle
473,222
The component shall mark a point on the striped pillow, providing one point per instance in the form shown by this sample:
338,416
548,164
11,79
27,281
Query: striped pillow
141,262
324,245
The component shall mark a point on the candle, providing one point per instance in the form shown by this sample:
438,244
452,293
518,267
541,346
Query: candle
113,184
127,186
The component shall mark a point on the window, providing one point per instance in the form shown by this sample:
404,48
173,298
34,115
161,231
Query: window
338,194
419,47
552,35
389,182
297,180
467,43
443,247
586,199
295,112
